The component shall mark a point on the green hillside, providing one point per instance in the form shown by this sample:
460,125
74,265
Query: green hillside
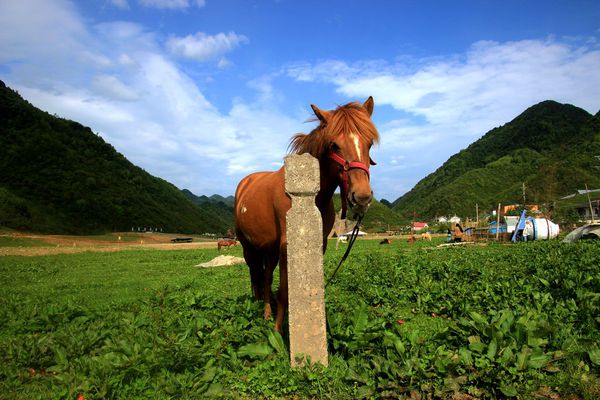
378,218
551,147
58,176
219,208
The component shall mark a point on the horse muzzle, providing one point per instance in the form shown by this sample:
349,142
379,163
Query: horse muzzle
360,202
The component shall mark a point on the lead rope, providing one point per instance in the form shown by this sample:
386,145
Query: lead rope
353,236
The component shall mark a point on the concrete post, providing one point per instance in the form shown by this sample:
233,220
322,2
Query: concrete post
306,292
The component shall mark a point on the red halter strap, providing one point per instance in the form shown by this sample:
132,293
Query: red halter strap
346,166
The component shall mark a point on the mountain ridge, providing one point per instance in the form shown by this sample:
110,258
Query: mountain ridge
539,148
59,177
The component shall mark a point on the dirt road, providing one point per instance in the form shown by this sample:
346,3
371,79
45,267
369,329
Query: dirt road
61,244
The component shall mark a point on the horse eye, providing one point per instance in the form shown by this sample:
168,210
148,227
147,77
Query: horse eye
335,147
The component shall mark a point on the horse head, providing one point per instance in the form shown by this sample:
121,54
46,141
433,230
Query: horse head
348,134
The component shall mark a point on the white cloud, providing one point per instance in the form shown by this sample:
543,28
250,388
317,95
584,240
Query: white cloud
116,78
123,4
171,4
48,29
487,85
120,79
202,47
455,100
113,88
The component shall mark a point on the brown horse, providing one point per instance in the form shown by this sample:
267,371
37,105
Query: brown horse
225,243
341,143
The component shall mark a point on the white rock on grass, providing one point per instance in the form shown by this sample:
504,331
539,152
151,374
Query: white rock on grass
222,261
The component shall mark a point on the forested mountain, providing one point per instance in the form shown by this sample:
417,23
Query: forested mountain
218,207
378,218
58,176
551,147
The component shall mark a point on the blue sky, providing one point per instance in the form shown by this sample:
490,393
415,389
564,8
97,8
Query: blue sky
203,92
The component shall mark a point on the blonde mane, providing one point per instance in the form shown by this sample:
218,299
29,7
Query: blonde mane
344,120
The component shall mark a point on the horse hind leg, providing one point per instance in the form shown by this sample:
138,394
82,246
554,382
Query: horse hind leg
270,264
255,265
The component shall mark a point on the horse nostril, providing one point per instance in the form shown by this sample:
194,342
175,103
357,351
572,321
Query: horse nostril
363,200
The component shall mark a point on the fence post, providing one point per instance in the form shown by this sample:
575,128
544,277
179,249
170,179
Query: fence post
306,292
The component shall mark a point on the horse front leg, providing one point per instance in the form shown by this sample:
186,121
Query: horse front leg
267,293
282,295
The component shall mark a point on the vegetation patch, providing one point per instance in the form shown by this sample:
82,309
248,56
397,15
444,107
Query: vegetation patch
417,321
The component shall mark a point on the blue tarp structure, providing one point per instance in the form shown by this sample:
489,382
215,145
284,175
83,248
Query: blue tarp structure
520,226
492,228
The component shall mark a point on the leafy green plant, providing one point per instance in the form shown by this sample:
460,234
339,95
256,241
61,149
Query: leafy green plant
403,320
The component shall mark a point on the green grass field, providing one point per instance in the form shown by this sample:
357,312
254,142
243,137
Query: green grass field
9,241
491,321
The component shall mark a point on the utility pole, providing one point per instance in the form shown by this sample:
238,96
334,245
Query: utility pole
498,223
590,203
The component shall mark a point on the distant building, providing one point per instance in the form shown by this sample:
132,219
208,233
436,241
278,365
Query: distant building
505,208
418,226
442,220
579,192
455,220
585,213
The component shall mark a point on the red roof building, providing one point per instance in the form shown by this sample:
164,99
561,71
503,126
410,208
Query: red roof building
417,226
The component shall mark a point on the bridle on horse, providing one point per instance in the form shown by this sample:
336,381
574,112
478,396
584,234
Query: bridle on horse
346,166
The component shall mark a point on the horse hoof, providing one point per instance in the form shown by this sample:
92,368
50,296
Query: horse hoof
268,312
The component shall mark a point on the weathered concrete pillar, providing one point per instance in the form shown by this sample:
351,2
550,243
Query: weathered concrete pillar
304,227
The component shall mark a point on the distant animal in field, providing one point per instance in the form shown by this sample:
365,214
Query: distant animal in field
386,241
225,243
411,239
457,233
341,239
341,143
426,236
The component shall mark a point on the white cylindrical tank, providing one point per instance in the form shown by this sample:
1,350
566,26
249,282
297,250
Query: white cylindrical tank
544,229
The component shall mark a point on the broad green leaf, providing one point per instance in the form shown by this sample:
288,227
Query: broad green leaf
214,389
255,350
465,356
505,322
480,319
277,342
365,392
594,355
506,356
360,318
209,374
522,358
399,346
508,390
536,342
538,359
474,339
355,376
492,348
477,347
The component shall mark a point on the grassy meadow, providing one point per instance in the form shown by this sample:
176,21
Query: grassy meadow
495,321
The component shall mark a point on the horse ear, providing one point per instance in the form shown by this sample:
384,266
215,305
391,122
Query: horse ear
321,114
368,105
